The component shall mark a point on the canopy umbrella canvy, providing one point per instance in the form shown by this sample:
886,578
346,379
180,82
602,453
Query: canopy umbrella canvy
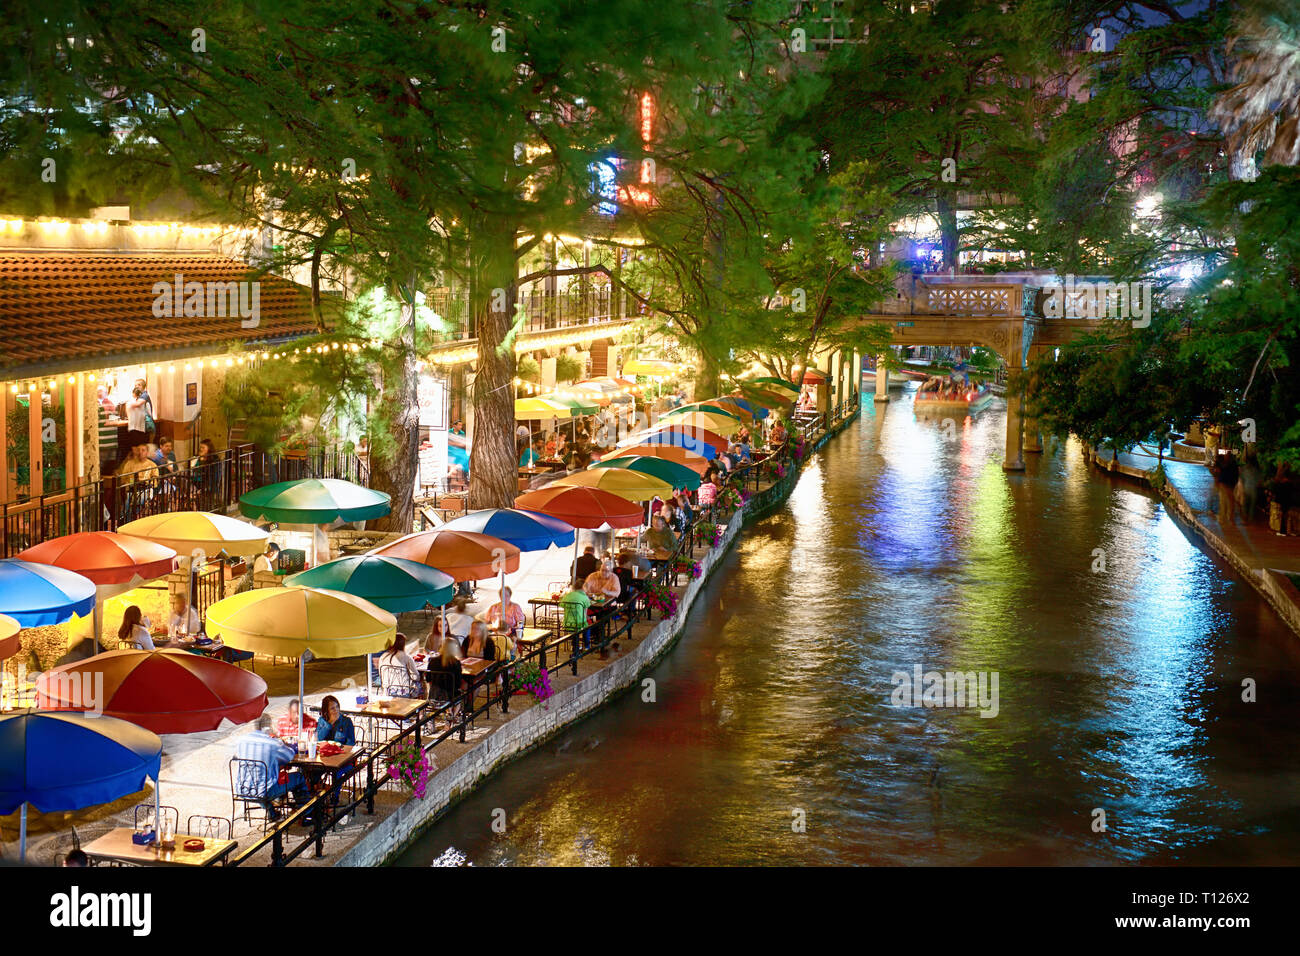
36,595
394,584
314,501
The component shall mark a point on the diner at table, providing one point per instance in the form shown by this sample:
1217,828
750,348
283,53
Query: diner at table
603,583
576,602
286,728
458,622
396,657
334,725
660,537
443,672
184,619
274,755
504,617
133,630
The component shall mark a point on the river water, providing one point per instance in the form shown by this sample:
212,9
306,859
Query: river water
774,737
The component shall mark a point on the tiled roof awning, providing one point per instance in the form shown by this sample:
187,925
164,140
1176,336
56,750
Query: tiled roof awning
64,310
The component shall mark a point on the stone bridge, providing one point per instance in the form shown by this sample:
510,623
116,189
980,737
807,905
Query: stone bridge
1005,313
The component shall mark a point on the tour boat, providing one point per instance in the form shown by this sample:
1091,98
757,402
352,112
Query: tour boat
967,402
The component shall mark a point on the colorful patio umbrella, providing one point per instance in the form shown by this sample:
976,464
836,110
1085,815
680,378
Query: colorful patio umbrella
757,410
9,639
710,421
286,622
771,383
576,405
165,691
702,441
653,367
632,485
675,474
314,501
113,758
35,595
765,398
106,558
540,409
187,531
713,406
464,555
674,453
114,562
813,376
394,584
736,408
582,507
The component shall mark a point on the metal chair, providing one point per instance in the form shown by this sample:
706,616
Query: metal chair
249,781
145,812
200,825
397,682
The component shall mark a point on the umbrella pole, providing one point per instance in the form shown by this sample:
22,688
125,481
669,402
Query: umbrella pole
157,805
22,833
301,666
96,621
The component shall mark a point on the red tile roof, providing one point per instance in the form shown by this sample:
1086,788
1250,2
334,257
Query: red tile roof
66,309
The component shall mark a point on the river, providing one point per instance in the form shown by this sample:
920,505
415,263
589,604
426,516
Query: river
774,738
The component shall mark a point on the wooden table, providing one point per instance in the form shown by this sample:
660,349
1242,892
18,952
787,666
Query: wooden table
322,764
116,846
216,647
394,708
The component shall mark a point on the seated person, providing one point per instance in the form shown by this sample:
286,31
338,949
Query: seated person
261,746
184,619
587,564
286,728
334,725
397,657
444,674
626,578
164,457
266,562
458,622
603,583
479,644
684,507
660,537
509,619
575,603
530,456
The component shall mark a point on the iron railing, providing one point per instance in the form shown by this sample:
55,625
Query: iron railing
213,484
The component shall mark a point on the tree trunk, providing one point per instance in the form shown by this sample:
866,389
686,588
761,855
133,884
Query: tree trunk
946,214
401,398
493,465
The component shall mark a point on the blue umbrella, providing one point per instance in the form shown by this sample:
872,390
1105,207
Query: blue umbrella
65,761
395,584
526,530
39,594
682,440
758,411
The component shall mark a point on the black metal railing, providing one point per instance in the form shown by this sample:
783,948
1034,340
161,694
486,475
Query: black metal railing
212,484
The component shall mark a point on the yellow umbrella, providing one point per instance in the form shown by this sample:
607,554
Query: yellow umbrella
286,622
710,421
652,367
184,531
632,485
530,409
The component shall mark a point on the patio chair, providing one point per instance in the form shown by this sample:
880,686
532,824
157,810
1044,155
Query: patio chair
216,828
396,682
249,781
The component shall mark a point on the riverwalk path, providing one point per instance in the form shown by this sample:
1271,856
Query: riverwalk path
1268,560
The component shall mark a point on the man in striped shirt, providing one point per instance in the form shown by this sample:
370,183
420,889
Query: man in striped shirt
261,746
108,425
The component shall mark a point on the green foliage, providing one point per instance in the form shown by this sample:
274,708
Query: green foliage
568,368
528,369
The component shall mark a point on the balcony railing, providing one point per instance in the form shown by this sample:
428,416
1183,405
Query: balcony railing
543,311
203,485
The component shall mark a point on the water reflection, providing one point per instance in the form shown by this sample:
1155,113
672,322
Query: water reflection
904,543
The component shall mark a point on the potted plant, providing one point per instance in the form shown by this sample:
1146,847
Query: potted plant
529,678
661,598
411,765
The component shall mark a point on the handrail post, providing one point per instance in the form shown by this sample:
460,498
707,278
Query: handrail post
277,848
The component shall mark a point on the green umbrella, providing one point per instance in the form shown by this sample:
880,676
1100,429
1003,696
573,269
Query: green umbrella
394,584
681,410
679,476
773,380
314,501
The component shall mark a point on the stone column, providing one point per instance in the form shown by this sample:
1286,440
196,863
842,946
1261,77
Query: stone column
1033,439
882,380
1014,460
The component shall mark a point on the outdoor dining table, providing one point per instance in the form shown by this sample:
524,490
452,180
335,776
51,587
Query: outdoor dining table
116,846
190,644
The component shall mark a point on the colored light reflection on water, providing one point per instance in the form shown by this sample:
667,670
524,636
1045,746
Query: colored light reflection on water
906,544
